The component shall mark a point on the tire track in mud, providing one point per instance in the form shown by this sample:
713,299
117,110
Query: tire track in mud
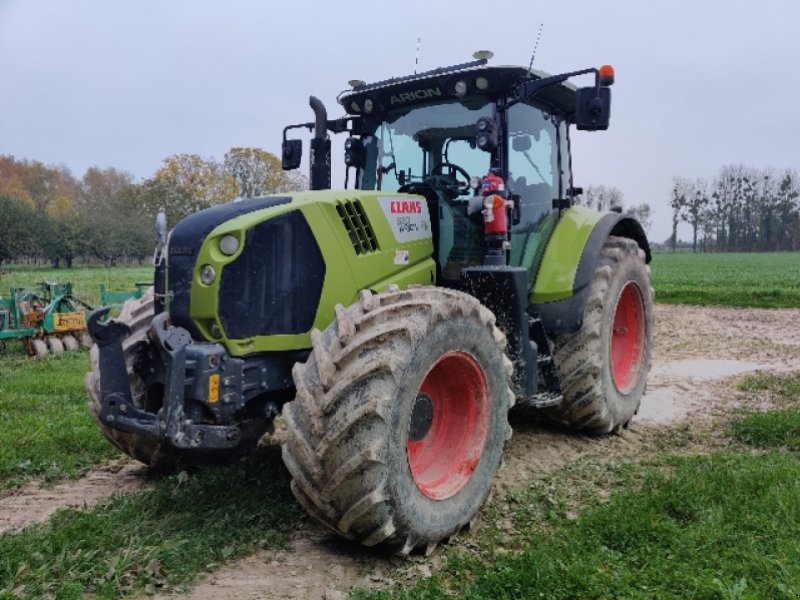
33,502
697,350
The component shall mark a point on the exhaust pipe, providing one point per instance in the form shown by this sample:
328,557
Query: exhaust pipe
320,162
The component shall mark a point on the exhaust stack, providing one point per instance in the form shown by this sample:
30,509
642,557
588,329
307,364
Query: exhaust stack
320,160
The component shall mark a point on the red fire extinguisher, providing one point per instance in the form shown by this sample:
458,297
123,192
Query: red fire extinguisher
495,219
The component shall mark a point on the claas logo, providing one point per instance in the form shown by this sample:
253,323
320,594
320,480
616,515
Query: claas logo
405,207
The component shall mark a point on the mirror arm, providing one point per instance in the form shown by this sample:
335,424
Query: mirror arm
309,126
527,89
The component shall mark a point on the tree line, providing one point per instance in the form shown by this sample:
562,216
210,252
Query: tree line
742,209
47,214
603,198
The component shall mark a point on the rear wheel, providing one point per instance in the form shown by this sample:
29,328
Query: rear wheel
400,417
604,365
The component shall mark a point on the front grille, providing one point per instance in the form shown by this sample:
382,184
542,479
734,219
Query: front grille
185,242
274,285
357,225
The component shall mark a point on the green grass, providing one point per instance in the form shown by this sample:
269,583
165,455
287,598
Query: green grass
47,432
775,428
768,280
155,539
85,280
719,526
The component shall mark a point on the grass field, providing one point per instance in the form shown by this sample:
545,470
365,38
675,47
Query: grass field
47,432
770,280
85,280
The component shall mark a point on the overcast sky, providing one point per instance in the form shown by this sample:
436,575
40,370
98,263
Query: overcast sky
126,83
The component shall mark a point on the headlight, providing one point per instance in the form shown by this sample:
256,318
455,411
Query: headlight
229,244
207,274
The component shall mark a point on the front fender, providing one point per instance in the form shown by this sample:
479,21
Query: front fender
569,262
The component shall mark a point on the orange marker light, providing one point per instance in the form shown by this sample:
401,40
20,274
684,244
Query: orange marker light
606,75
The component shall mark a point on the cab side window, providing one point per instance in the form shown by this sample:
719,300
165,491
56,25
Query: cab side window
532,162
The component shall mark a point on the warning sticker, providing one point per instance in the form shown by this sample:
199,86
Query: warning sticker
401,257
408,218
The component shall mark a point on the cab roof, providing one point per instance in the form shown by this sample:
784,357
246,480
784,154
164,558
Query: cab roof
458,81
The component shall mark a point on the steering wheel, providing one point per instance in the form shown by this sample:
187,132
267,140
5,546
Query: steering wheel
438,172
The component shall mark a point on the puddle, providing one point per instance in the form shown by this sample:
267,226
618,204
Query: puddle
672,392
665,405
704,368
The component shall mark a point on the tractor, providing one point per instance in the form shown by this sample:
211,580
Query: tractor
394,323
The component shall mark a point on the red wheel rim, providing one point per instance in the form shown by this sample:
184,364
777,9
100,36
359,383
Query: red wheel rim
627,339
443,460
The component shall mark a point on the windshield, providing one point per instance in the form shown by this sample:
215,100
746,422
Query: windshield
413,145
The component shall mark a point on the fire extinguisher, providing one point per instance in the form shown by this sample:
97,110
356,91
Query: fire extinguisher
495,216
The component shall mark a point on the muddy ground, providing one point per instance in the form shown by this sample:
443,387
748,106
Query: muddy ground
699,354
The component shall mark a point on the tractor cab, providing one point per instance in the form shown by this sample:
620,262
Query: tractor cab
438,134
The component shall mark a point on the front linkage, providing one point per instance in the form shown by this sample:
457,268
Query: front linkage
170,423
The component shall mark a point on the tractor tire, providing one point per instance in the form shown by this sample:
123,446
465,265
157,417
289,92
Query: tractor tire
161,456
70,343
604,365
137,314
39,348
400,417
54,344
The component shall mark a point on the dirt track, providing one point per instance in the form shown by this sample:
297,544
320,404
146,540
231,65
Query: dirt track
698,355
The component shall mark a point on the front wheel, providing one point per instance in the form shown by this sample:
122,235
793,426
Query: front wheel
604,365
400,417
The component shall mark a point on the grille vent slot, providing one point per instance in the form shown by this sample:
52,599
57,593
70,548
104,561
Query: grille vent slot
357,225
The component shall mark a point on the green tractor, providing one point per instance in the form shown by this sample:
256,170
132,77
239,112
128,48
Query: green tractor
395,322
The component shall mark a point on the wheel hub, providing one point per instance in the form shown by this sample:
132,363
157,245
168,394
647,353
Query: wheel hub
448,425
421,418
627,339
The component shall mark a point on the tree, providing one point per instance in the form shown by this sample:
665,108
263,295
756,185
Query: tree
257,172
744,210
681,188
193,183
603,198
20,227
99,186
66,237
694,206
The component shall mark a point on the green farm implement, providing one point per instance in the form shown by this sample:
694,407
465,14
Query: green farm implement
48,319
117,297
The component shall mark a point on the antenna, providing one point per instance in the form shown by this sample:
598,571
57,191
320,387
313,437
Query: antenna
536,45
416,58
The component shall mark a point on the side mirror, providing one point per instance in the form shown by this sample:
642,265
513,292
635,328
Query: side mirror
592,108
521,143
291,154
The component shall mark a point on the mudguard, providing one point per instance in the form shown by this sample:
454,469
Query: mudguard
569,262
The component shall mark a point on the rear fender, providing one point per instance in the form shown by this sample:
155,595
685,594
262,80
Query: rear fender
569,262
